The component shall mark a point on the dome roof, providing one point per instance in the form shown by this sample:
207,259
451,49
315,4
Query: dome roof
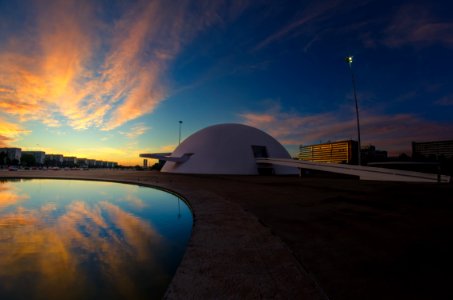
228,149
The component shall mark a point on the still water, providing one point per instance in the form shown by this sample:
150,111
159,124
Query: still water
72,239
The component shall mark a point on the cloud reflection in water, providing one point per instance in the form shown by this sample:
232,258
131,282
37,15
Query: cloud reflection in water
78,250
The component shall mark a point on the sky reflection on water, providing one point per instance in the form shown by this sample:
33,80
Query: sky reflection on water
69,239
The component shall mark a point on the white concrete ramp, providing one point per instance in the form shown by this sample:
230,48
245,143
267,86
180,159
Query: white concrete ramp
363,172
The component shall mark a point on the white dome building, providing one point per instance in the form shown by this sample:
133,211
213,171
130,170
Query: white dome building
226,149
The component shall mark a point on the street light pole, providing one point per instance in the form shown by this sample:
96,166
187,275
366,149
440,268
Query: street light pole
180,125
349,61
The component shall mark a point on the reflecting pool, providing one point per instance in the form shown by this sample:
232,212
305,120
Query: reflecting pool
73,239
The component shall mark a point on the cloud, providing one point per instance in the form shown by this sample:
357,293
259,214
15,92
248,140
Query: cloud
134,200
410,24
311,13
413,24
10,196
313,21
258,118
45,70
136,130
73,65
445,101
167,148
10,132
388,132
118,240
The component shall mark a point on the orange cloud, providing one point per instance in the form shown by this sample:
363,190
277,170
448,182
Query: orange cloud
69,76
44,81
9,196
258,118
56,253
167,148
9,132
136,130
134,200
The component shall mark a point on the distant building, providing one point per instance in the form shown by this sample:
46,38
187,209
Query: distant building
69,161
54,160
370,154
111,164
101,164
342,152
40,156
82,162
91,163
434,149
12,154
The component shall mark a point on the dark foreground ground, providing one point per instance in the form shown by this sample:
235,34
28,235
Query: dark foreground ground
356,239
359,240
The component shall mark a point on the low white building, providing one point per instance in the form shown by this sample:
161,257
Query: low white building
226,149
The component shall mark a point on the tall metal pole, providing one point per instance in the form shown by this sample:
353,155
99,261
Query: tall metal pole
349,61
180,125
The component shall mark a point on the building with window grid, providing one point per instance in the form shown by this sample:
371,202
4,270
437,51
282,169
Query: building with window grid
433,149
332,152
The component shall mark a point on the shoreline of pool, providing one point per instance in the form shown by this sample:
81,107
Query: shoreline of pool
230,253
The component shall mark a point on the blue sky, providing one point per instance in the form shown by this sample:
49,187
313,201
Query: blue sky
111,79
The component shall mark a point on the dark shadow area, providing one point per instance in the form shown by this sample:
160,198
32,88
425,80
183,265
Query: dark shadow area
359,240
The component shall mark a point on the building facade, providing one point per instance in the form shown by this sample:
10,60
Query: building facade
344,152
434,149
91,163
370,154
54,160
40,156
12,155
69,161
82,162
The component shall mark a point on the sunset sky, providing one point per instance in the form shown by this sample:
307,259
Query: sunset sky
111,79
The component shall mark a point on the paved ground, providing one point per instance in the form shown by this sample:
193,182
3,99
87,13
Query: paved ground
307,238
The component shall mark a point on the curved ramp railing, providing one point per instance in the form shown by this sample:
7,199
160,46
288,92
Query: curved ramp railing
363,172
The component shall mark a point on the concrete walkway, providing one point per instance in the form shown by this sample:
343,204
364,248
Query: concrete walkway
363,172
230,255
